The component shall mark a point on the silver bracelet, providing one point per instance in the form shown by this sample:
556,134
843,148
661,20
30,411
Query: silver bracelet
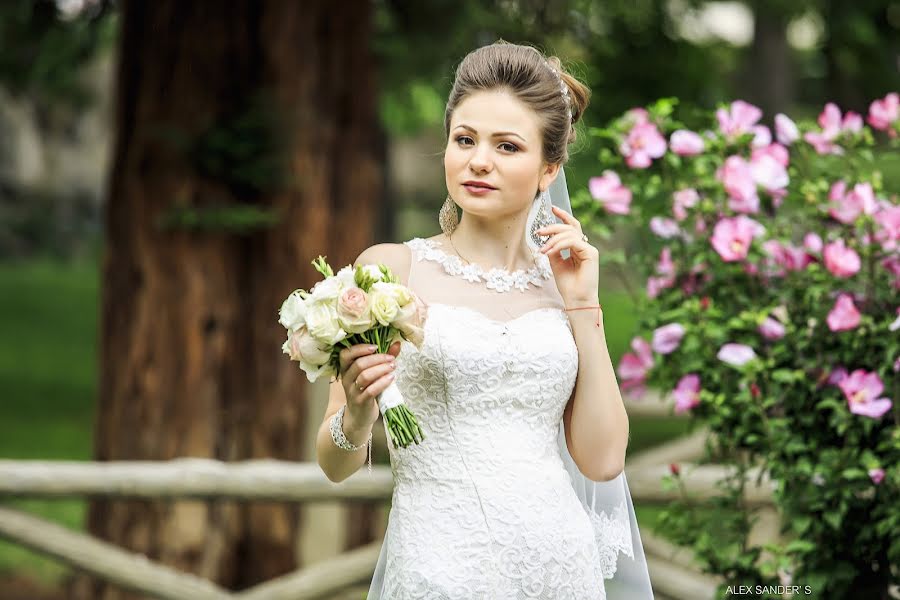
337,432
341,441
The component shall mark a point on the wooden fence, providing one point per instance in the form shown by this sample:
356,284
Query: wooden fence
672,572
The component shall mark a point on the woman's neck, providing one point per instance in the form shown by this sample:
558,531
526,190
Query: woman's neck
493,243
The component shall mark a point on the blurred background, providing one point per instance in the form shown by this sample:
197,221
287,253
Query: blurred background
168,170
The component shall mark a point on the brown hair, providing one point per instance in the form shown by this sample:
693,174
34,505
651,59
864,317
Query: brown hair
523,71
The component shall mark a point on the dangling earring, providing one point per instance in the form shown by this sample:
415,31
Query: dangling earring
448,217
543,218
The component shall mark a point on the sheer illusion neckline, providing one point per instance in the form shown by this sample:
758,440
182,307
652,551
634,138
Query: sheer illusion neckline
496,278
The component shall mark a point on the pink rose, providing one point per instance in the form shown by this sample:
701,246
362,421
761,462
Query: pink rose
353,310
303,347
410,321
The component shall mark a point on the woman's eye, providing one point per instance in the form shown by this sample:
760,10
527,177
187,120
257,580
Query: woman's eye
505,145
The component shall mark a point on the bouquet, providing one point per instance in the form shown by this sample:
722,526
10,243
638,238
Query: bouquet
365,305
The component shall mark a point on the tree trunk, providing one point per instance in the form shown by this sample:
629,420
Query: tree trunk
191,361
771,76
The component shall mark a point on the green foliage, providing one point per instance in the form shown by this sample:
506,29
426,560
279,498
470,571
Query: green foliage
40,53
776,411
228,218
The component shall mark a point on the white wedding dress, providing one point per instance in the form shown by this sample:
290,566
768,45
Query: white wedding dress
490,506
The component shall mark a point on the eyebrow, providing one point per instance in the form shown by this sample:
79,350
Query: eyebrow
496,134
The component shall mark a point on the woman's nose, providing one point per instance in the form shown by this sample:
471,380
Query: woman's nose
480,160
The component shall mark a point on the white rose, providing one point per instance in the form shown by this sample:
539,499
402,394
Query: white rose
327,289
373,271
347,277
383,305
301,346
400,293
322,322
292,313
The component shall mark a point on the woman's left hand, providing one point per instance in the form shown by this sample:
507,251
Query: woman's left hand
577,277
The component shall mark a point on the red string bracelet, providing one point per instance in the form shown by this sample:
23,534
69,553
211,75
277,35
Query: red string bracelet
599,307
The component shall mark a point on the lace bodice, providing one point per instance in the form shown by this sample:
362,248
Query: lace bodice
484,508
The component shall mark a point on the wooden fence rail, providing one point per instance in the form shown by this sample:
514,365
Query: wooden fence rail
274,480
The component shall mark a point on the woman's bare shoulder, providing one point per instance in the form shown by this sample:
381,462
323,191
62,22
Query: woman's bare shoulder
397,257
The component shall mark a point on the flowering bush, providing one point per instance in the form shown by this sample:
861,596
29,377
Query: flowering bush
771,313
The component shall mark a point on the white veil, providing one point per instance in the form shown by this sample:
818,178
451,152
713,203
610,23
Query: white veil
607,503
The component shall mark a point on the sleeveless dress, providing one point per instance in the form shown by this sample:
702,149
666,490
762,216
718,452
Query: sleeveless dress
487,506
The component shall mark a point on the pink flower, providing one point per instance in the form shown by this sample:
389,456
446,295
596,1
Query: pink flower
608,189
786,131
888,221
633,367
843,315
732,236
737,178
768,172
847,208
876,475
771,329
861,389
664,267
637,115
687,393
762,136
787,256
736,354
840,260
642,144
884,113
738,119
812,242
684,199
832,126
667,338
837,375
776,151
686,143
664,227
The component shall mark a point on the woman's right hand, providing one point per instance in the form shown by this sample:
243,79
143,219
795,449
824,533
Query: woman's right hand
371,371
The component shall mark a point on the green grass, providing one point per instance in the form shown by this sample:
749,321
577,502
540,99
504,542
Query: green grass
48,316
48,367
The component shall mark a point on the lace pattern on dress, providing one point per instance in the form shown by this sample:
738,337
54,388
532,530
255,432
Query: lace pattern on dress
496,279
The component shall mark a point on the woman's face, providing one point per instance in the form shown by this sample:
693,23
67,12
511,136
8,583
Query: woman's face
495,139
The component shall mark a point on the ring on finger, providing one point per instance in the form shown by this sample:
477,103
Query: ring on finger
361,388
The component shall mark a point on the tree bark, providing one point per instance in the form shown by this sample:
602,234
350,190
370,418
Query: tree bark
190,354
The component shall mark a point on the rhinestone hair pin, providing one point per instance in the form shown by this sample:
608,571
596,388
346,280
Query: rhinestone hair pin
564,89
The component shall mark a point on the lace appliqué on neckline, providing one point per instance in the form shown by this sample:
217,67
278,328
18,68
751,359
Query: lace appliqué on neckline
497,279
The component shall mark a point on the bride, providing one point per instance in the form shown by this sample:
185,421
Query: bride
517,490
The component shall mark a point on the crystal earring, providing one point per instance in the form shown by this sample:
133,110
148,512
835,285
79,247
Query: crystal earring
448,217
543,218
